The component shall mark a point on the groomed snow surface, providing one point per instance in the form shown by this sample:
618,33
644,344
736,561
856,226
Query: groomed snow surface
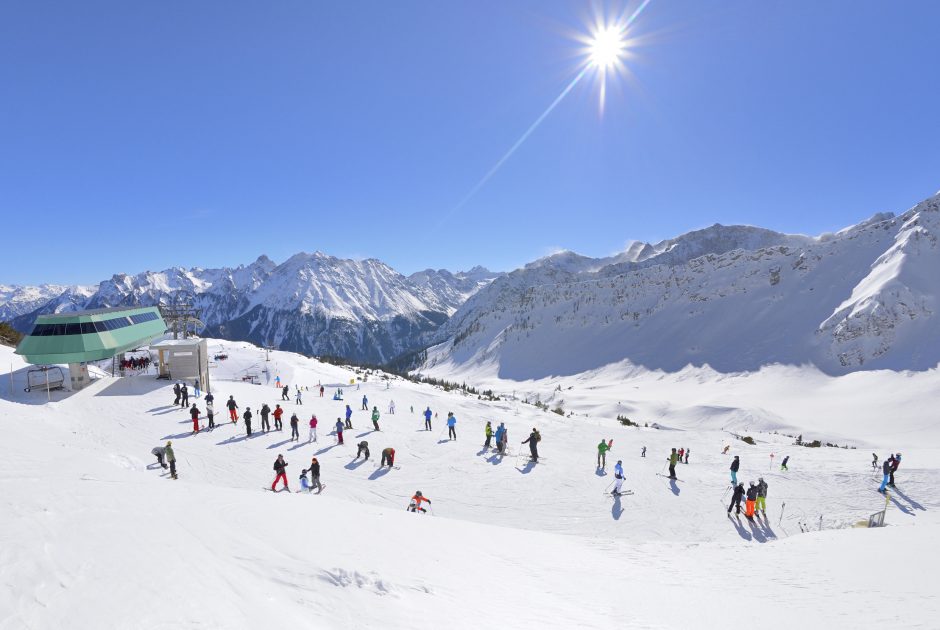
94,535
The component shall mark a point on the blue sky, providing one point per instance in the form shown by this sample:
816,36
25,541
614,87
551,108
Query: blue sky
142,135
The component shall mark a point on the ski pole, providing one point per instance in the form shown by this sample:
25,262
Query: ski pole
782,506
608,487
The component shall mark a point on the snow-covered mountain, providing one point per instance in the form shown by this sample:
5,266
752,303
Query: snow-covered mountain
735,298
16,300
312,303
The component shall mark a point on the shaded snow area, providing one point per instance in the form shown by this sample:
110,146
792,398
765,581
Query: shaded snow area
94,534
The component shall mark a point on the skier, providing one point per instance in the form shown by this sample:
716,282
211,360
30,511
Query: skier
279,468
533,442
348,417
503,443
160,452
304,484
298,400
265,425
315,475
391,408
681,453
427,420
886,469
321,391
602,449
196,387
750,501
313,429
762,496
210,412
365,403
209,397
783,464
177,392
285,393
451,426
388,457
874,462
184,392
618,477
687,451
247,418
500,432
232,406
277,381
736,499
375,418
488,432
643,452
294,432
734,470
278,412
673,458
194,414
416,500
171,459
894,468
725,449
362,450
339,431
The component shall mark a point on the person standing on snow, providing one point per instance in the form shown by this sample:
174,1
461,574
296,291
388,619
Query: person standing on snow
160,452
643,452
504,443
315,475
280,467
672,459
298,400
618,477
783,464
194,414
761,497
196,387
735,465
391,408
886,469
210,412
362,450
488,432
313,429
285,393
322,389
874,462
365,403
278,412
339,431
178,392
232,409
388,457
265,425
736,499
687,451
751,500
427,419
533,442
184,392
171,459
375,418
247,418
294,432
602,449
348,417
416,500
500,431
451,426
894,468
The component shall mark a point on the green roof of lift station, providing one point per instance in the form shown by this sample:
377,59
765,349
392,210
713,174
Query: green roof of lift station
83,336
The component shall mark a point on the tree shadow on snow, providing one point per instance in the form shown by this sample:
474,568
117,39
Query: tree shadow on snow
674,487
742,531
378,472
914,504
353,465
617,510
528,468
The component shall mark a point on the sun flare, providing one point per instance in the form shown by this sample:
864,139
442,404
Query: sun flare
606,47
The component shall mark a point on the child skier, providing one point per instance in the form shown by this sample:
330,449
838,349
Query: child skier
339,431
416,501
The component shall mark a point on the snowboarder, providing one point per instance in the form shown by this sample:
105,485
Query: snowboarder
488,432
184,392
762,496
783,464
618,476
247,418
886,469
736,499
171,459
194,414
232,409
285,393
278,412
313,429
751,500
339,431
210,412
416,500
643,452
602,449
874,462
177,392
294,432
451,426
315,475
533,441
362,450
427,420
375,418
265,411
734,470
365,403
279,467
687,451
160,452
348,417
673,458
391,408
388,457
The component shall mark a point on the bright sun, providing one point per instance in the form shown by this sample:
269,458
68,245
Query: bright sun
606,47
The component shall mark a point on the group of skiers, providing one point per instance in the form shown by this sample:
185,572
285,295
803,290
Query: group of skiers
888,468
755,498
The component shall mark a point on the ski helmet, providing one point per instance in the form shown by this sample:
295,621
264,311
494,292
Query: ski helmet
418,493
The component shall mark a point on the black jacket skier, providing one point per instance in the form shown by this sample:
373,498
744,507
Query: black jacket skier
533,442
247,418
736,498
736,464
177,391
363,448
265,410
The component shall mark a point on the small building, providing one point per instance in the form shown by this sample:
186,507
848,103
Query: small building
183,360
80,337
